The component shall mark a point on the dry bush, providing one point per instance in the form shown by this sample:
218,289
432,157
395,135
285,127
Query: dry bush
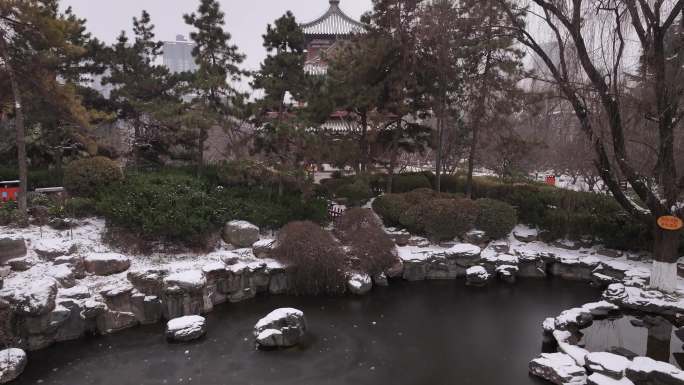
371,248
317,261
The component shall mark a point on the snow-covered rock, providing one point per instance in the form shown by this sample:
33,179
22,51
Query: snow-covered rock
32,299
644,370
359,283
282,327
186,328
189,281
477,276
263,247
574,318
525,234
600,308
63,274
106,263
507,273
600,379
12,364
549,324
559,369
577,353
51,248
608,364
240,233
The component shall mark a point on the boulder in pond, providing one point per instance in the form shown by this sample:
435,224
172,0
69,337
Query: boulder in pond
558,368
644,370
240,233
106,263
600,379
507,273
12,364
359,283
608,364
477,276
184,329
282,327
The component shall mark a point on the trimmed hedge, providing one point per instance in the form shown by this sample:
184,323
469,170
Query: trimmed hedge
562,213
181,209
402,183
390,207
85,177
497,219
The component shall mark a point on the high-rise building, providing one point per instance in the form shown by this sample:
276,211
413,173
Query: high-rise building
178,55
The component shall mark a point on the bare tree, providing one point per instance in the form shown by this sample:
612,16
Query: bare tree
573,25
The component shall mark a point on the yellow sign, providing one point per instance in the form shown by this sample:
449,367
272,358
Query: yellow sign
670,222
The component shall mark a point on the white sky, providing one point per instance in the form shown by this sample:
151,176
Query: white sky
246,20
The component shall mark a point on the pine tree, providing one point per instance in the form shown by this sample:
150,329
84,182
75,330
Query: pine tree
144,93
215,97
44,54
494,68
282,137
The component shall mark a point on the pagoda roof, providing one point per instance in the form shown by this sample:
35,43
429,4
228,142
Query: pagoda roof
333,23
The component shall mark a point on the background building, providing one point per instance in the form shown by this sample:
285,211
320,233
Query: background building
178,55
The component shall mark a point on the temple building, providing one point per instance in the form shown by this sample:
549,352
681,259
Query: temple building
322,35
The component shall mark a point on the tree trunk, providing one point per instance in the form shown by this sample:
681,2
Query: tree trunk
393,161
20,132
438,160
665,251
363,142
471,164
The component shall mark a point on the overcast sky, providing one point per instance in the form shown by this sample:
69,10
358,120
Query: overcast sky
246,20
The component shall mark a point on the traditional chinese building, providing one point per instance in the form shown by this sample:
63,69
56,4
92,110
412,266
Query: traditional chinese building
322,36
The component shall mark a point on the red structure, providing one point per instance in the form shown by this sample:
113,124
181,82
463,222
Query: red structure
9,190
324,35
551,180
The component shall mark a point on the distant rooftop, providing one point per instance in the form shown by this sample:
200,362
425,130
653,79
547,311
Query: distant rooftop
333,23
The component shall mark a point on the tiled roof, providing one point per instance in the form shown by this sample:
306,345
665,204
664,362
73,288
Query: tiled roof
333,23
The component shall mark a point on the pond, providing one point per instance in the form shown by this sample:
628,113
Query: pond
628,334
437,332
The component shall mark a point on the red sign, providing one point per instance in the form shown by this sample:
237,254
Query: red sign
9,191
670,222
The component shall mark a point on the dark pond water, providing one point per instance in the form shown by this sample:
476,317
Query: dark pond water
649,336
423,333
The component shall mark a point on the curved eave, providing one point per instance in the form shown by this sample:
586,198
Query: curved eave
333,23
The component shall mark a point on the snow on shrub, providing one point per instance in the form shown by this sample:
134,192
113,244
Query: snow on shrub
85,177
316,259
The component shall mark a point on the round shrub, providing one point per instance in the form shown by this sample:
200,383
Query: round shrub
408,182
244,173
316,259
497,219
390,207
371,249
445,219
357,193
80,207
175,209
85,177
